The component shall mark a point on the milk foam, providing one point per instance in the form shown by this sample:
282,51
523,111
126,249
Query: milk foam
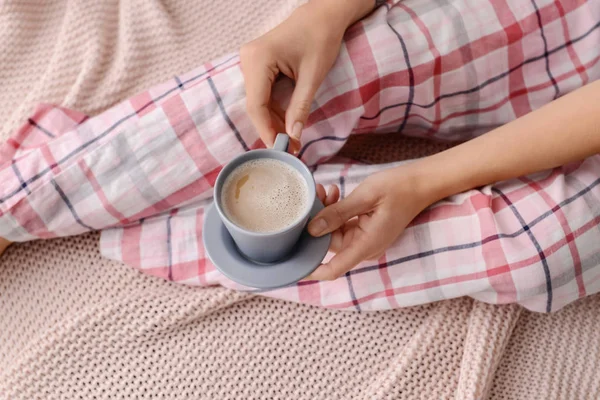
264,195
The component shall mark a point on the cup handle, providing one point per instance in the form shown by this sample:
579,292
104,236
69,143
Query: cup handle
281,142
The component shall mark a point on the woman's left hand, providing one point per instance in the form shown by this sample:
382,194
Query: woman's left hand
304,48
368,221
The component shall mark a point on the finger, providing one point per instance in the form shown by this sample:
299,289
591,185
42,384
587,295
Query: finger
355,249
321,194
333,195
259,119
258,80
317,273
342,237
307,83
335,215
337,241
344,261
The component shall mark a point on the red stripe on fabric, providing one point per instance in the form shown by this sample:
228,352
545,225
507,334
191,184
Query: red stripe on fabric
309,292
41,111
142,103
258,144
50,160
516,55
344,171
100,193
185,129
574,57
76,116
365,67
14,142
8,151
211,176
387,283
437,67
209,73
564,223
492,251
159,272
131,245
30,220
183,271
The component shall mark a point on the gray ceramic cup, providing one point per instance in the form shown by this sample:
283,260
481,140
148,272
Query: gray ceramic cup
267,247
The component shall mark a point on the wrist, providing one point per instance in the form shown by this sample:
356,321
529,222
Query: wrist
436,177
412,181
341,13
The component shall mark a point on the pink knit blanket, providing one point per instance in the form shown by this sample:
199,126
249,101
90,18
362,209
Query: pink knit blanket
142,172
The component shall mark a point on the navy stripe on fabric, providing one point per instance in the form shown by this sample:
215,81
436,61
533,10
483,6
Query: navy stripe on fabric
546,55
20,177
41,128
538,248
489,81
411,79
110,129
64,197
332,138
225,115
179,83
352,294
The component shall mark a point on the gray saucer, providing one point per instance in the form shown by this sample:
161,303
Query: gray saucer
222,251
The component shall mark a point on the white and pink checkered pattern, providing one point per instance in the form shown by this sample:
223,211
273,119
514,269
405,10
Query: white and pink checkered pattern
143,171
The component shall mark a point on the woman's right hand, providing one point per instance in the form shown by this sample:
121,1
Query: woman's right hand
303,48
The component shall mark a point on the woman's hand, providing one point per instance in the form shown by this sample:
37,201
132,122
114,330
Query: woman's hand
386,202
369,220
304,48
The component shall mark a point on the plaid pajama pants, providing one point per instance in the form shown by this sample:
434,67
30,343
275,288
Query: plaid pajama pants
143,171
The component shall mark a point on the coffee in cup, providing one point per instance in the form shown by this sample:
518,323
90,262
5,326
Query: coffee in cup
264,198
265,195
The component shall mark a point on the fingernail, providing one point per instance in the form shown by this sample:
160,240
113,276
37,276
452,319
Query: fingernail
297,130
317,227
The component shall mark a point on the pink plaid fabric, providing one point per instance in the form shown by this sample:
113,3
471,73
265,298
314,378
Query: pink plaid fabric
143,171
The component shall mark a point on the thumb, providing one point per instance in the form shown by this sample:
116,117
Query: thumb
307,83
337,214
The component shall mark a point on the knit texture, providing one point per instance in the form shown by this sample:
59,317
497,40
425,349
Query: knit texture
75,325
